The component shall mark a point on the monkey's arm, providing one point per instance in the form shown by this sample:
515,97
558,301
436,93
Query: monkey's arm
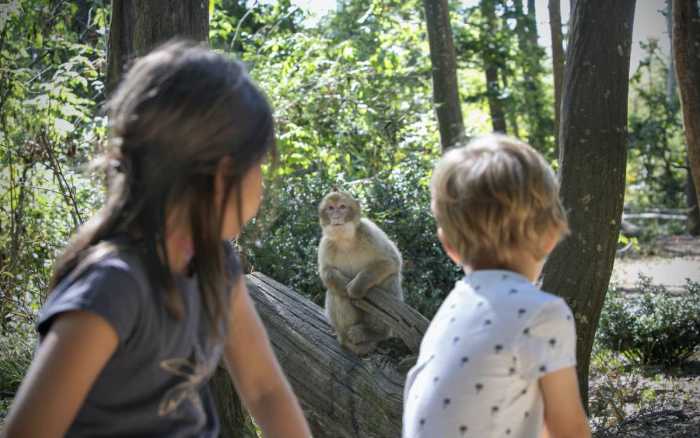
370,277
334,280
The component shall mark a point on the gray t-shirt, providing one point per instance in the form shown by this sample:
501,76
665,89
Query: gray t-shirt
155,384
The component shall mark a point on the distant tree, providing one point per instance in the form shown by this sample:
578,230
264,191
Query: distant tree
593,142
557,64
491,62
445,87
531,56
686,52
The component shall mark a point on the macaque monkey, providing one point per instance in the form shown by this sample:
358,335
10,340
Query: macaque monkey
354,256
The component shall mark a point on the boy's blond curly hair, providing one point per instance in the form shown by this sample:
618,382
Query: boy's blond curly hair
494,196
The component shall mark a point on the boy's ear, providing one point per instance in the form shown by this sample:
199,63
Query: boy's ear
551,239
451,252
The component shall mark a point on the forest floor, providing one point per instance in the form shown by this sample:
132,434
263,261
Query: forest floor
651,401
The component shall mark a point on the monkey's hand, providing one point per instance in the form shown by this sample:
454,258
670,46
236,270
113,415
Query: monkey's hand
370,277
334,280
357,288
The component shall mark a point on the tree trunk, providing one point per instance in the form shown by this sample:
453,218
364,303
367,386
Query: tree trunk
493,89
594,154
671,73
444,63
693,221
557,65
686,51
140,25
342,395
235,421
526,30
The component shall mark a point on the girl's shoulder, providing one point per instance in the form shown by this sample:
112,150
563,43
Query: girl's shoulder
111,281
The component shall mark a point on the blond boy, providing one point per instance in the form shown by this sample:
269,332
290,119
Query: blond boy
498,359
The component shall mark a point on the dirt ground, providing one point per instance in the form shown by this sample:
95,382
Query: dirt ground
653,402
669,261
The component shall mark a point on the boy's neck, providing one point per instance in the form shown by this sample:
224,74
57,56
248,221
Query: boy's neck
522,263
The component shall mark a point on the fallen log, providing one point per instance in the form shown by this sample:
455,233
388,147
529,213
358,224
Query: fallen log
342,395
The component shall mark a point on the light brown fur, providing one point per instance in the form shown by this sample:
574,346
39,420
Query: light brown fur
354,256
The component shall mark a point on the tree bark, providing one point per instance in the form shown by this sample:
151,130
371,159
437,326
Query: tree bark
671,94
693,221
594,154
444,63
557,65
140,25
526,29
342,395
493,89
686,51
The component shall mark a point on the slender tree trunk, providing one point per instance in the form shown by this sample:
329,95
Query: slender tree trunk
512,115
557,64
671,74
493,89
686,51
594,154
140,25
693,224
526,30
443,59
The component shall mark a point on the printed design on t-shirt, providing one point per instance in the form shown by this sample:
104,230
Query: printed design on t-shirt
195,371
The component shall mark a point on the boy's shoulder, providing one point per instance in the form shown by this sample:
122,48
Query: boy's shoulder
508,290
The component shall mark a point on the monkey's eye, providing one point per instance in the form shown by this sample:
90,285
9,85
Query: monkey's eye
342,207
331,208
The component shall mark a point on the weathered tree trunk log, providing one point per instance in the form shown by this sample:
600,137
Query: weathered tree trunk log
406,322
342,395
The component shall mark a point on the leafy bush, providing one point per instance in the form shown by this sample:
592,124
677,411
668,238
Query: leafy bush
16,351
653,328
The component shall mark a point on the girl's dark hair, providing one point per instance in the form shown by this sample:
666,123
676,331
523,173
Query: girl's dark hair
177,113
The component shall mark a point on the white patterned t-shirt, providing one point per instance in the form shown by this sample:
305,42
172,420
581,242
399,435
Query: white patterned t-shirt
477,372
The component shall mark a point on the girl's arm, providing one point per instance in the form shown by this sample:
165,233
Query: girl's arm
257,375
564,416
68,361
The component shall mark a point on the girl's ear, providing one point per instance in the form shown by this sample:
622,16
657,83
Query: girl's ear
451,252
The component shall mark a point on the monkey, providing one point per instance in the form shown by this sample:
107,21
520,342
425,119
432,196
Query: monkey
354,256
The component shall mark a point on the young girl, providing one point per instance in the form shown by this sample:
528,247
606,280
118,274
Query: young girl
147,297
498,359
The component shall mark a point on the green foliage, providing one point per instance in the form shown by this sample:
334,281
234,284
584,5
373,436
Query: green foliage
509,45
654,327
50,88
17,351
656,174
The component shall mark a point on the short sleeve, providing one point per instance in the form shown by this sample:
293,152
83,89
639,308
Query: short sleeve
547,342
107,289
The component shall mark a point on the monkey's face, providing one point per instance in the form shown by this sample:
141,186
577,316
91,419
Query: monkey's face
338,210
